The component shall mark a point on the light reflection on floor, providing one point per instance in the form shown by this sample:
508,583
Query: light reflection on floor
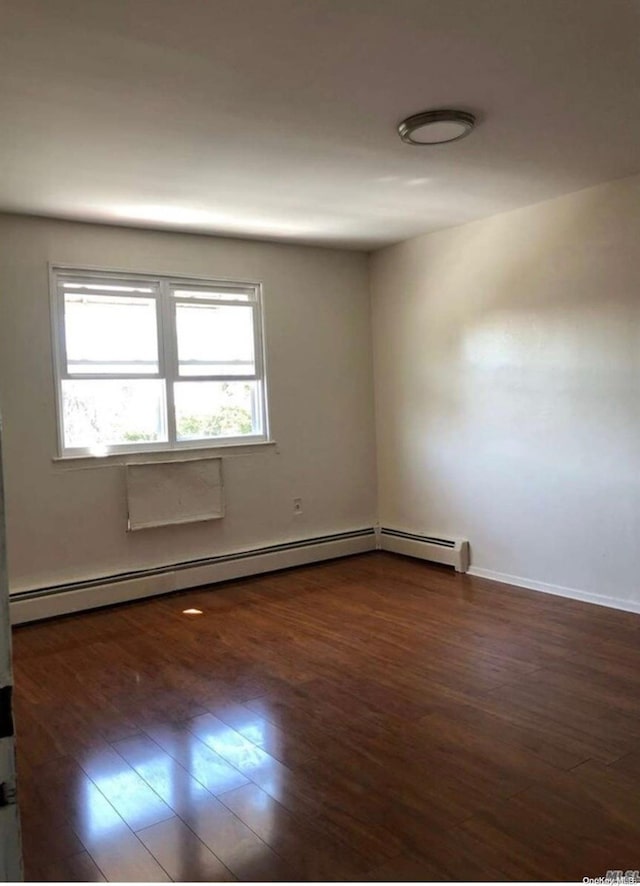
181,787
124,787
99,818
233,747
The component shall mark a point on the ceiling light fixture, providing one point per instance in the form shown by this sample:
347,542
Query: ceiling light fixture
436,127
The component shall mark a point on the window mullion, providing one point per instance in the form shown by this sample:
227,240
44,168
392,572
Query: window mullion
59,356
259,401
170,355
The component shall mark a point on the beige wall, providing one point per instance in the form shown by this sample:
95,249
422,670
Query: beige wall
67,522
507,371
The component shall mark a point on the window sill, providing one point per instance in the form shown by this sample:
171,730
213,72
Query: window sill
195,453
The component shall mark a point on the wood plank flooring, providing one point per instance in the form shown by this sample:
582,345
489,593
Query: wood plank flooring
372,718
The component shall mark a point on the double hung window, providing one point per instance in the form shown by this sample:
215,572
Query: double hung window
153,363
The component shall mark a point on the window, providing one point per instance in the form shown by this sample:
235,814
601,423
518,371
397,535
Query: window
156,363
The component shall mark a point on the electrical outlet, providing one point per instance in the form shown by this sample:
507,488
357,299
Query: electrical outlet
297,506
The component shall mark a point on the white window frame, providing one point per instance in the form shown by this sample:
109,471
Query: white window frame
163,287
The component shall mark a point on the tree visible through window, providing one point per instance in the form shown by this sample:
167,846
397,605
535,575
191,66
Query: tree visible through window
156,363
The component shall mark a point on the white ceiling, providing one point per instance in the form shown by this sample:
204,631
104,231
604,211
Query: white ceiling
276,118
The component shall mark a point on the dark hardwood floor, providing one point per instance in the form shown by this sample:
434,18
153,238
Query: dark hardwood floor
373,718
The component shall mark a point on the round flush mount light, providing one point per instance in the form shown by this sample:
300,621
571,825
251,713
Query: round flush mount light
436,127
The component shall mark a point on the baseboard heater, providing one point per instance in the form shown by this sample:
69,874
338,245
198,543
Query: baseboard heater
450,551
38,603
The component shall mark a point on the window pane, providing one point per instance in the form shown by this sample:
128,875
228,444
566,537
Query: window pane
108,412
206,409
110,334
215,339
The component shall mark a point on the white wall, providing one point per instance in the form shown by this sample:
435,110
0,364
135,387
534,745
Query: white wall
67,523
507,370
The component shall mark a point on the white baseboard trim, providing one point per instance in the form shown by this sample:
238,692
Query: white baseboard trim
556,590
41,603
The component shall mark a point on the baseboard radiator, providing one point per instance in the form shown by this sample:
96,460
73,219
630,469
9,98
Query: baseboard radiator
450,551
38,603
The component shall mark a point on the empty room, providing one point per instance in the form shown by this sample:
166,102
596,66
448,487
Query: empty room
320,440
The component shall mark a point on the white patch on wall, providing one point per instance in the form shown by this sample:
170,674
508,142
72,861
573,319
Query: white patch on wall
169,493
